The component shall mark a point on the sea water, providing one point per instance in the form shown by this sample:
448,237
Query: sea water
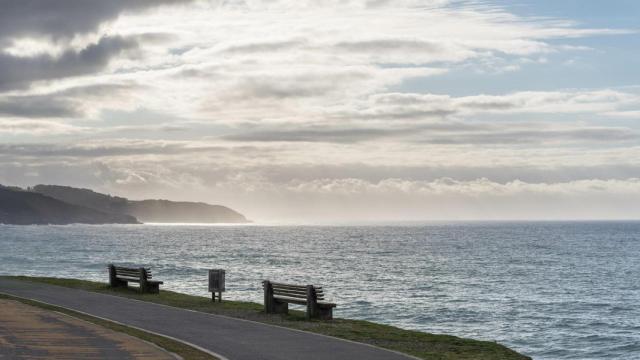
551,290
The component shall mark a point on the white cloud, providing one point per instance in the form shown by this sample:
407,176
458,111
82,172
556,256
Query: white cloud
14,127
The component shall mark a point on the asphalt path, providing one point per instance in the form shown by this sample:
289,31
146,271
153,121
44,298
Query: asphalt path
226,337
28,332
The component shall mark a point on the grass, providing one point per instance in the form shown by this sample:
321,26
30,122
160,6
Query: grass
416,343
184,351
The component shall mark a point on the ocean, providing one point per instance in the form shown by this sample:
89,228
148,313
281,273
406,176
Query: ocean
551,290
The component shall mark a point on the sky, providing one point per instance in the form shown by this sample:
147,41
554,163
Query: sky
329,111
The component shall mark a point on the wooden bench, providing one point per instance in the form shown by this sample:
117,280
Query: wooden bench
121,276
277,298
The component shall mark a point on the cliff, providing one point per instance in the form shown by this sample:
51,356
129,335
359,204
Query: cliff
21,207
162,211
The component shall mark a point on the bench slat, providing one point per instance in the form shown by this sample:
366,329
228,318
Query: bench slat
294,291
300,288
296,294
129,269
127,272
292,287
132,272
288,286
326,304
287,294
291,300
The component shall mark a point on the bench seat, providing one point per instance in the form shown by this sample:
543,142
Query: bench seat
278,296
291,300
326,304
121,276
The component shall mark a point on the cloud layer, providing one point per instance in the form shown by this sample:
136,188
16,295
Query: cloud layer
315,110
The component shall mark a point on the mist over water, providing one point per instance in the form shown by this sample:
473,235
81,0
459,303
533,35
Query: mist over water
552,290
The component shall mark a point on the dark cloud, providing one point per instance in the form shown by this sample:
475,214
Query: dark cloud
63,18
16,71
97,90
37,107
65,103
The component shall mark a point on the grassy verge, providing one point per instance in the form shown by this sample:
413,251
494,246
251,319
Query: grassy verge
419,344
182,350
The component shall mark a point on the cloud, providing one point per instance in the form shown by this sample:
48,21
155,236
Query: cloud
304,108
104,148
606,135
441,133
33,128
348,135
279,182
265,47
420,107
405,51
63,18
74,102
57,26
36,106
19,71
472,188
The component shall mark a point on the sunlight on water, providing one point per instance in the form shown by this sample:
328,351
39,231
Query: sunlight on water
550,290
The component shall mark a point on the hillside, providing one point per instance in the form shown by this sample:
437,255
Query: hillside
162,211
25,208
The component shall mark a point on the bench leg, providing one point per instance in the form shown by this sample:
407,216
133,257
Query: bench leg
153,288
149,288
325,313
280,307
113,279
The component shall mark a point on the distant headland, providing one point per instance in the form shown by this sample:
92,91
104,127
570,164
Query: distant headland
54,204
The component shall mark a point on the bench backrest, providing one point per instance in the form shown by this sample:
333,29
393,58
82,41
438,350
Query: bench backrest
132,272
294,291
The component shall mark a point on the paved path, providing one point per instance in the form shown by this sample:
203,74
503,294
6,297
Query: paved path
28,332
232,338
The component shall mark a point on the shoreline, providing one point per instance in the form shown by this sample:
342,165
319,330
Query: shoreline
414,343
